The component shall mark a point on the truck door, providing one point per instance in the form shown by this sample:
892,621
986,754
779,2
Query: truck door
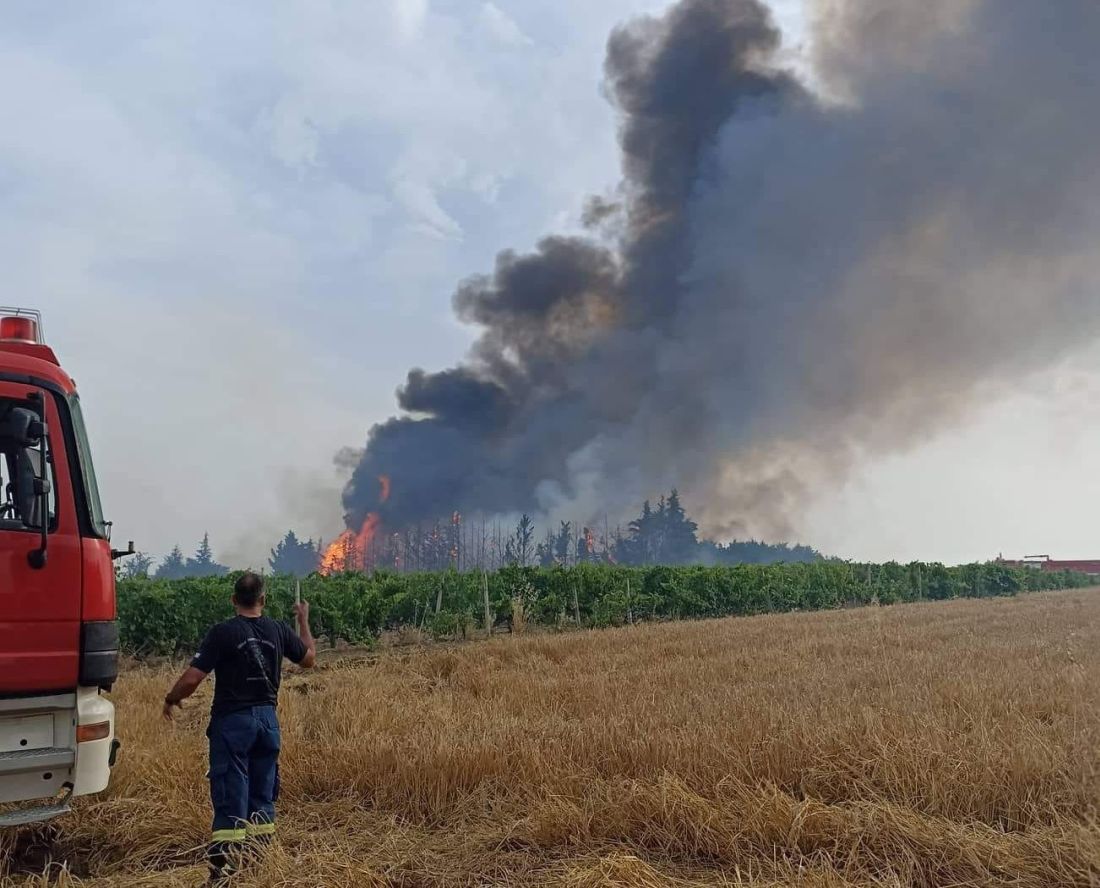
40,607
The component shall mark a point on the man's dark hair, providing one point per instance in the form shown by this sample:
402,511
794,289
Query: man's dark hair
248,589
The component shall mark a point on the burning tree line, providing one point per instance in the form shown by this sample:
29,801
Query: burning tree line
661,534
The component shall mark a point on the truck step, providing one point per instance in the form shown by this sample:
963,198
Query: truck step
20,760
37,813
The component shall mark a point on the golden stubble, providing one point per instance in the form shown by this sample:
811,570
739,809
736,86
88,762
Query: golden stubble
931,744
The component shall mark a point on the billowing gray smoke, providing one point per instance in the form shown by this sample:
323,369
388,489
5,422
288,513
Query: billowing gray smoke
790,276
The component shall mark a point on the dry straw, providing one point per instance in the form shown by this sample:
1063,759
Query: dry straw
940,745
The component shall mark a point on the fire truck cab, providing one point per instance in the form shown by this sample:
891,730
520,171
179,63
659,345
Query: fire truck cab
58,629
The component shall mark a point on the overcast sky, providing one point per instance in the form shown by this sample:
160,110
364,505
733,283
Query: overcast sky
244,223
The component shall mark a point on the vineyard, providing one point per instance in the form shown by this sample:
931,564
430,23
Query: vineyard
165,617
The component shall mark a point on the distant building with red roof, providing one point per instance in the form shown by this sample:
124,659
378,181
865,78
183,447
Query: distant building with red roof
1045,562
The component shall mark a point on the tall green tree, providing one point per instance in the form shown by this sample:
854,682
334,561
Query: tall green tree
679,542
563,542
173,567
544,551
136,567
203,564
519,547
665,535
638,547
294,557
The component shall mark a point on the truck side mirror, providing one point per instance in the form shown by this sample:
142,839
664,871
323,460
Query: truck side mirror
25,487
123,553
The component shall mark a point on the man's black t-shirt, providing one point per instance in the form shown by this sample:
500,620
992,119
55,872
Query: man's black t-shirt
232,651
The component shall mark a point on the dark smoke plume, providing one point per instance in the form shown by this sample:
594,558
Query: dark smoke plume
800,274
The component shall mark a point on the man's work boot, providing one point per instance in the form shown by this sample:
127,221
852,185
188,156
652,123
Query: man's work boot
224,860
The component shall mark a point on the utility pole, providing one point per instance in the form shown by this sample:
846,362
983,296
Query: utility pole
485,599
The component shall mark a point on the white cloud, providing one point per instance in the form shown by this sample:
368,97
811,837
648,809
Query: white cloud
502,27
409,16
294,137
421,202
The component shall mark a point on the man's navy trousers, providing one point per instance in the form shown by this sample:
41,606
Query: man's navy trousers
244,775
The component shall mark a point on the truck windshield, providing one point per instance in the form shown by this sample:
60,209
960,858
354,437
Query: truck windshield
87,469
20,464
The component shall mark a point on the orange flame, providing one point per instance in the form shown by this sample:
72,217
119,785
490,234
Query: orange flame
341,555
351,551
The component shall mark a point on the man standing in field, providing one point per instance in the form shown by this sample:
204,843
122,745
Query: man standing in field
245,654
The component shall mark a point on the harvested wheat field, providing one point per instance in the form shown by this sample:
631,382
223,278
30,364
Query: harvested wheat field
940,744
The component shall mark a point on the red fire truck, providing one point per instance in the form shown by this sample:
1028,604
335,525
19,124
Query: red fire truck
58,629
